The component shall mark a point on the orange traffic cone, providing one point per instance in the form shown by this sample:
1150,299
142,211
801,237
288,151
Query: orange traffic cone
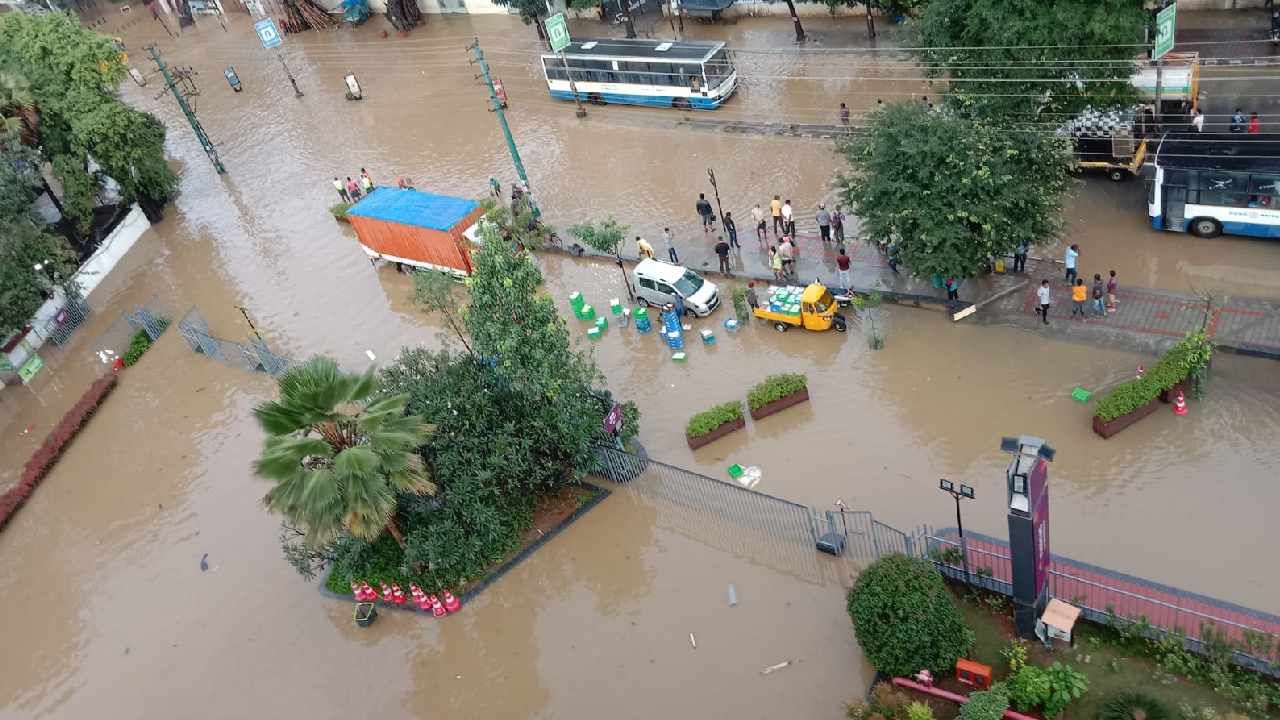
386,593
1180,404
1141,371
436,608
397,595
450,602
367,594
356,592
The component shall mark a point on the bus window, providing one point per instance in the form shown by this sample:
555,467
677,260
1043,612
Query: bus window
718,68
1228,189
637,73
554,68
1264,191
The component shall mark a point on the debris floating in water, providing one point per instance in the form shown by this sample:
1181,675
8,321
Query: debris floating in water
779,666
733,595
204,562
372,357
693,641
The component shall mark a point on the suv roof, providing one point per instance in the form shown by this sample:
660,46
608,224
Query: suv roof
666,272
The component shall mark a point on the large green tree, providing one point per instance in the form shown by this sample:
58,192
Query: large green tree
23,287
66,77
339,456
952,192
1028,58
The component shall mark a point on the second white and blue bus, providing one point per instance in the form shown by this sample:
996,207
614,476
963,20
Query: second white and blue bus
1213,183
681,75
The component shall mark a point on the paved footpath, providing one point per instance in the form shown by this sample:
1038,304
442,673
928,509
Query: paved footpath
1145,319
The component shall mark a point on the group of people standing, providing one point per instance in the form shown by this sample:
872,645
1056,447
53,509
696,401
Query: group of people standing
1103,296
351,191
1239,124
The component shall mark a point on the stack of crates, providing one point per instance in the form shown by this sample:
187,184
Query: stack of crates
785,300
643,323
581,309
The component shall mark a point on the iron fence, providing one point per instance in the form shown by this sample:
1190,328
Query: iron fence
1205,625
254,356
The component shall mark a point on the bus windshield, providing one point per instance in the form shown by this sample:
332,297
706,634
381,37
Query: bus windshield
689,284
718,68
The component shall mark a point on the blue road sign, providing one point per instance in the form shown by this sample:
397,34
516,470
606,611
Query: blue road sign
267,33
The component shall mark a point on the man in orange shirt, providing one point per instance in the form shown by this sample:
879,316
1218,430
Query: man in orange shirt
775,208
1079,293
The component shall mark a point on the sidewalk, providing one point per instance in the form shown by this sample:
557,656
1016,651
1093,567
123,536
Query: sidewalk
1145,319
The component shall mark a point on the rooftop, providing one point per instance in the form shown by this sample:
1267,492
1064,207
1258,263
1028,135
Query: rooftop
642,48
412,207
1220,151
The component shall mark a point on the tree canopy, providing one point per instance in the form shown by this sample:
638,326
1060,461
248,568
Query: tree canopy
950,192
62,78
23,288
1053,59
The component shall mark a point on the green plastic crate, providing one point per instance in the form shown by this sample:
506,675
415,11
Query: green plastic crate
1081,394
736,471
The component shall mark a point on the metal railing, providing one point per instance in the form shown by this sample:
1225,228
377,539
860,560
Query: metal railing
254,356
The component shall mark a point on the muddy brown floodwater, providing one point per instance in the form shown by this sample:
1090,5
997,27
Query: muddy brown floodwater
109,611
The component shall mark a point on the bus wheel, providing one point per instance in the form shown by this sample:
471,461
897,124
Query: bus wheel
596,99
680,103
1118,175
780,327
1205,227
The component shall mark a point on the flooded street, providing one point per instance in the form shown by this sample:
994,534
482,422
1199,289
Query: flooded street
110,545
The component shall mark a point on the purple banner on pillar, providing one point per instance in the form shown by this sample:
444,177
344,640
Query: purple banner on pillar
1038,494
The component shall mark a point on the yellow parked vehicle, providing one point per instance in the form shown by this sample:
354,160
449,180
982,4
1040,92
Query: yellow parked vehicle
813,308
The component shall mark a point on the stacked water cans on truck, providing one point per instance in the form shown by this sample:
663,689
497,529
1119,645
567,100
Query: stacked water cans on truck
785,300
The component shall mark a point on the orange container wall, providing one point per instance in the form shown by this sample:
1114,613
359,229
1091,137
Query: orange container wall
447,249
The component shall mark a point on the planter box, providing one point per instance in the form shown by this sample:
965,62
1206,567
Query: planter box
780,404
1107,429
725,429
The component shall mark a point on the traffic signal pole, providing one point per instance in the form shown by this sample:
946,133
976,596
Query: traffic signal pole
181,97
478,56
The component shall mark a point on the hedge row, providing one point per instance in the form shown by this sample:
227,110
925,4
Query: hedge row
1185,360
46,456
708,420
775,387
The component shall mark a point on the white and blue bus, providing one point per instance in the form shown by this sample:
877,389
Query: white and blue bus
681,75
1212,183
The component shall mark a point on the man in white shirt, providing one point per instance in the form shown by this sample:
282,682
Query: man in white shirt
1197,120
788,223
762,229
1069,259
1045,298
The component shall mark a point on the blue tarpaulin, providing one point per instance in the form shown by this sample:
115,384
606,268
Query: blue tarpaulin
356,11
411,207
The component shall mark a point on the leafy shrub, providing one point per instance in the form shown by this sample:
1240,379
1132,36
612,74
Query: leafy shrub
986,704
774,387
1015,653
905,619
740,308
1188,360
708,420
889,702
46,456
1132,706
138,344
1028,687
919,711
339,210
1065,684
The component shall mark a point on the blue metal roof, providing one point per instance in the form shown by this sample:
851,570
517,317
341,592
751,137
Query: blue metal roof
411,207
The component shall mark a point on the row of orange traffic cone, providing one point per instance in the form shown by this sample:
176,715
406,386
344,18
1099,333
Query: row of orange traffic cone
393,595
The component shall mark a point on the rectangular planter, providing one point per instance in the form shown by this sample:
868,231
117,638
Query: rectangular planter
781,403
725,429
1107,429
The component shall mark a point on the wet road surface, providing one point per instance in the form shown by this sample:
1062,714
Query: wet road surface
110,545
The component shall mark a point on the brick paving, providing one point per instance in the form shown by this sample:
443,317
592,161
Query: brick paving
1145,318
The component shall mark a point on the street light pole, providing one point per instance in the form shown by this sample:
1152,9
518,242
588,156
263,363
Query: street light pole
712,174
964,491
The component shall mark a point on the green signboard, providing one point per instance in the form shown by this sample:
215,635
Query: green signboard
558,32
1164,31
30,368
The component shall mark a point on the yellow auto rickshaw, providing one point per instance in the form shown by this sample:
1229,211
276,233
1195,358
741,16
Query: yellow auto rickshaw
813,308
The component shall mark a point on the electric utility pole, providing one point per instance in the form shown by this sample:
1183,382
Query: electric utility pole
478,57
180,93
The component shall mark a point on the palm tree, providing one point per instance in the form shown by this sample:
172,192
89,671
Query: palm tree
19,117
337,454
